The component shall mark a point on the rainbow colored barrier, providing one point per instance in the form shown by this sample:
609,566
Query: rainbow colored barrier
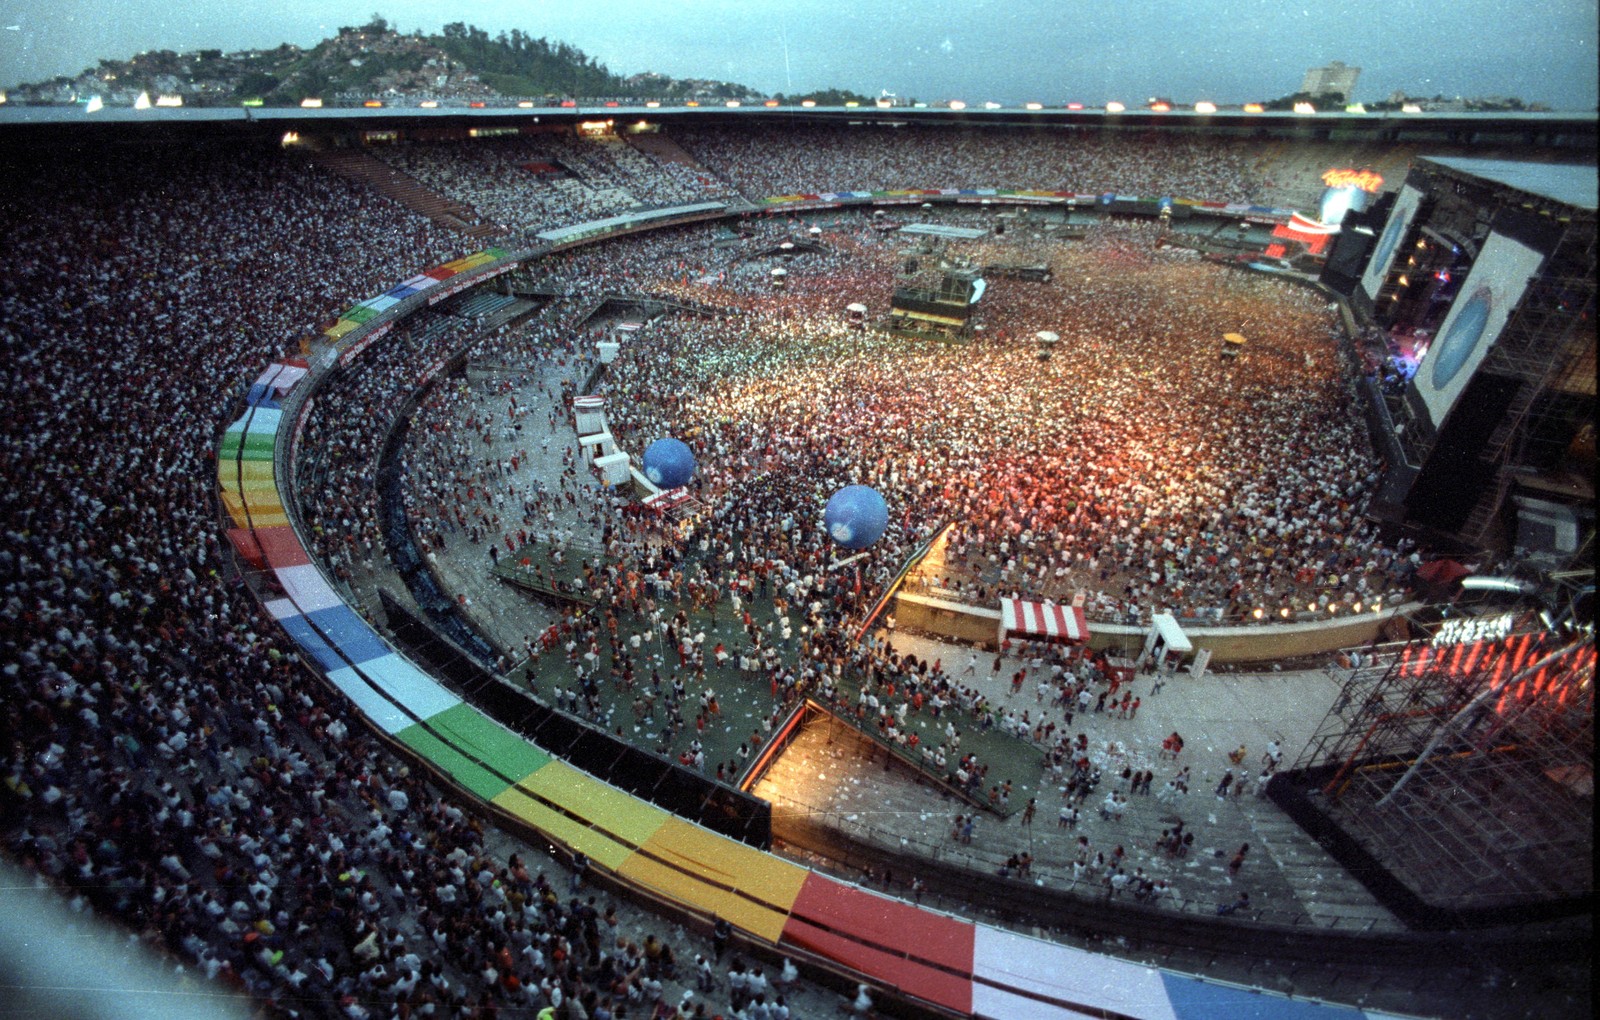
362,312
948,962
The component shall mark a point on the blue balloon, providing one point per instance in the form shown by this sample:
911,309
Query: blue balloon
856,517
668,463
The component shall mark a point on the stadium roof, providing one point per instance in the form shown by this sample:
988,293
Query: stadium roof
511,110
1574,185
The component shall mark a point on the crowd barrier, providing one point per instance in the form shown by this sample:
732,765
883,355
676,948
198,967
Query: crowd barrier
949,964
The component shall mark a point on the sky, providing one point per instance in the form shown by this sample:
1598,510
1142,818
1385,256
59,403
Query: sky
1008,51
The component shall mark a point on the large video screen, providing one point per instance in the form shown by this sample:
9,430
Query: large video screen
1405,209
1493,288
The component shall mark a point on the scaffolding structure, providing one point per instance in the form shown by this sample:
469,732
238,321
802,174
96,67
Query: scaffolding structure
1462,765
1544,353
1548,346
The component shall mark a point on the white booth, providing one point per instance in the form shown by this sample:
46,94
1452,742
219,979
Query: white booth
589,414
613,468
1166,644
596,446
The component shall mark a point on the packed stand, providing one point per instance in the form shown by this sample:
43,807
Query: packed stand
169,761
172,764
815,158
533,183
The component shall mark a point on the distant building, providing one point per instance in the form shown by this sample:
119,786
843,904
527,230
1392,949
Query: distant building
1335,78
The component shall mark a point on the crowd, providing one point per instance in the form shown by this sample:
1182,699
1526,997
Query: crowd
815,158
785,399
466,464
170,762
1134,464
531,183
545,179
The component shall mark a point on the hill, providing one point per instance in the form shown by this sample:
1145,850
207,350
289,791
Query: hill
372,61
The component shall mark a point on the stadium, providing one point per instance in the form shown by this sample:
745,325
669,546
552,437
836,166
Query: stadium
367,655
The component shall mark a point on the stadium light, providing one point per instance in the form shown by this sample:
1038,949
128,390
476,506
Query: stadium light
373,104
1410,108
429,104
311,104
653,104
526,104
1205,106
94,105
1254,108
808,103
770,102
1355,108
851,103
1115,107
956,104
991,106
143,102
1074,106
169,100
731,104
1304,109
1035,106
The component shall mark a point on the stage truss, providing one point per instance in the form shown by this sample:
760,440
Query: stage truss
1464,764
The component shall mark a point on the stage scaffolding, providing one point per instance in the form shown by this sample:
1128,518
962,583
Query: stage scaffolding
1462,765
1548,345
1545,350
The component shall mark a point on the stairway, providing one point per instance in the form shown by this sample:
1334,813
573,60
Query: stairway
667,150
363,167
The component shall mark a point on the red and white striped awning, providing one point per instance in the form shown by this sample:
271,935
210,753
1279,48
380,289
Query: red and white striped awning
1046,620
629,327
667,499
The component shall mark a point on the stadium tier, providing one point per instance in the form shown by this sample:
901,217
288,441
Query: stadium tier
213,433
